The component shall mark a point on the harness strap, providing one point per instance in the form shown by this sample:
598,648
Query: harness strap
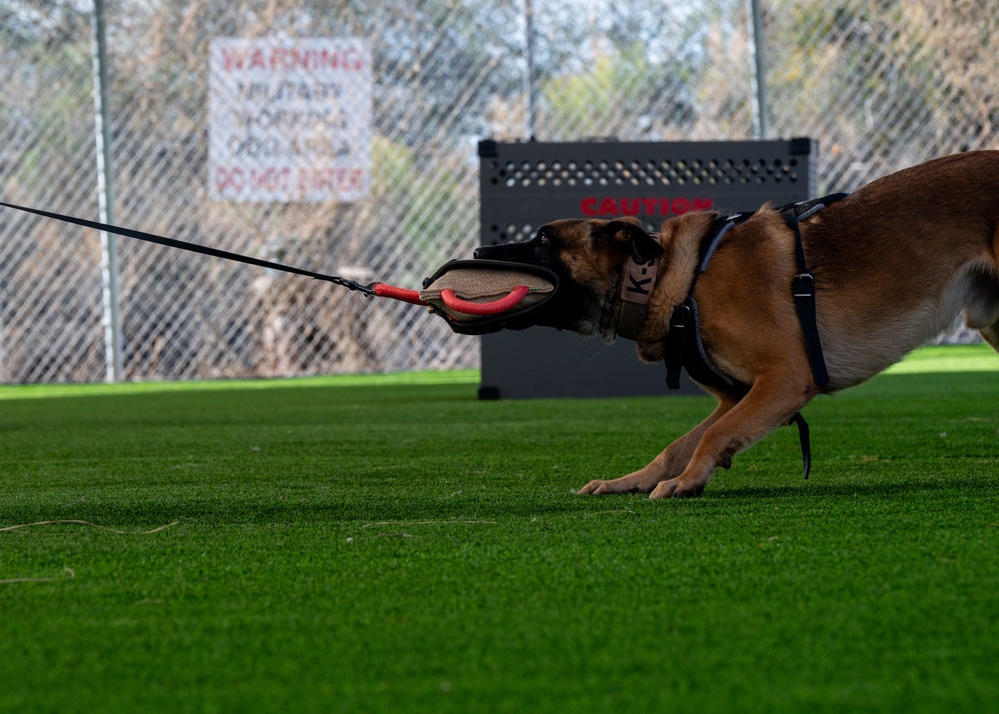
685,330
806,447
683,341
803,284
803,290
675,338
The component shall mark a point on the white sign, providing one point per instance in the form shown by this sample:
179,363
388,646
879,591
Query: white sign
290,119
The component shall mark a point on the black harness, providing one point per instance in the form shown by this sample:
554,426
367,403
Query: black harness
685,349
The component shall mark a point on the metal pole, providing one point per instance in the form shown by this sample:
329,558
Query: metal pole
3,355
761,126
105,197
532,98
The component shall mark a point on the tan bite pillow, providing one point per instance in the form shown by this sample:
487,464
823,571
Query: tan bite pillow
465,294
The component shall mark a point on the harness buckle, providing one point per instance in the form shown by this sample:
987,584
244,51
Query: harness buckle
680,317
803,285
678,322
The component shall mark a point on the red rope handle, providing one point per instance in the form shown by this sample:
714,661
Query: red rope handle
390,291
484,308
453,301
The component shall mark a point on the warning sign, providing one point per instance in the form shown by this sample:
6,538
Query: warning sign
290,119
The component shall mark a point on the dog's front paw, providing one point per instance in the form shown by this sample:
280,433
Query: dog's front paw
677,488
625,484
596,487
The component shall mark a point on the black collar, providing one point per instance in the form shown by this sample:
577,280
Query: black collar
627,302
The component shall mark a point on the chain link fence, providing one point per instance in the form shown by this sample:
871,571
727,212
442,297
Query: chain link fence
882,85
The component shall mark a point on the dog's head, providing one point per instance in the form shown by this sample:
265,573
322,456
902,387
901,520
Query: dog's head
586,255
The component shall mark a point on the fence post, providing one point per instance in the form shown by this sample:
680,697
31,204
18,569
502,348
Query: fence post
759,80
105,197
531,85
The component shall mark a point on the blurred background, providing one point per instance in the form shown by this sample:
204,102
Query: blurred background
384,119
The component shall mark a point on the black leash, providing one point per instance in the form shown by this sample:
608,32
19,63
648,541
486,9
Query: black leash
195,248
472,316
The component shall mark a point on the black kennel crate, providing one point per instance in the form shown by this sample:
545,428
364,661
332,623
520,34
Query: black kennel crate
524,185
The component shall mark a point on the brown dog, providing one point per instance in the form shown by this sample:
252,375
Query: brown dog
894,264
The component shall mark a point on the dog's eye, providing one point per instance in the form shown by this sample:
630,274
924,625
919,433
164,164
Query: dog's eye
543,239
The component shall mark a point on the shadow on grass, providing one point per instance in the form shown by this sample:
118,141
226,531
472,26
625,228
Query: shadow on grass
916,487
351,506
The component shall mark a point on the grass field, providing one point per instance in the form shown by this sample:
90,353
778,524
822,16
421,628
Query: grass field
393,545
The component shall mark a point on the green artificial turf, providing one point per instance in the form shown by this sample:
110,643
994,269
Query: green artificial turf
395,545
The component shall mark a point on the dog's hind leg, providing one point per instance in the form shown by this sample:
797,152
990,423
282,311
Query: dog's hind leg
671,462
981,308
770,404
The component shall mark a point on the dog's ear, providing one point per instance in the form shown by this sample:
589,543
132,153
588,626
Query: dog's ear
629,232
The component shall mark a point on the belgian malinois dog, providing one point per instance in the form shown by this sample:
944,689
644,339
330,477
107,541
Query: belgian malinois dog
892,265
